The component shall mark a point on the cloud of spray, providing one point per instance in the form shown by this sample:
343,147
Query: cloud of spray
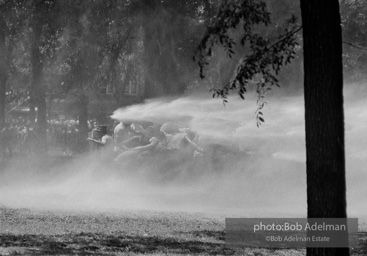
266,177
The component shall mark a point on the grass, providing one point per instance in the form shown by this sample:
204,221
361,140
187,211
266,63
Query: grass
32,232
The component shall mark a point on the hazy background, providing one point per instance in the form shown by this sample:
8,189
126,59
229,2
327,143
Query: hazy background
268,181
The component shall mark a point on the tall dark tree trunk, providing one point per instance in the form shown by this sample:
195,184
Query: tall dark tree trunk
323,87
152,50
83,122
38,96
113,79
42,118
3,71
36,69
33,92
151,54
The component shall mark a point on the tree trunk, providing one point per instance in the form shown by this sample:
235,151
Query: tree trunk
42,119
38,97
83,122
36,68
323,88
152,50
3,71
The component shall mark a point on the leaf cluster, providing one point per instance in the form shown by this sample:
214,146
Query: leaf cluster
265,55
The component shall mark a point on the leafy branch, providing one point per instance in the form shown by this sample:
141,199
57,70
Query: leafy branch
265,57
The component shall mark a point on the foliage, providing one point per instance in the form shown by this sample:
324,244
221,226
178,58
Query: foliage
116,35
172,29
266,55
354,23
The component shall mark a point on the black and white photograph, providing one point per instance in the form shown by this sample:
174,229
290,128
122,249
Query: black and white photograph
183,127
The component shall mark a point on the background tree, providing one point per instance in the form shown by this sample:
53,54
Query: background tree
323,89
93,40
171,31
3,67
354,25
80,58
118,34
11,26
42,31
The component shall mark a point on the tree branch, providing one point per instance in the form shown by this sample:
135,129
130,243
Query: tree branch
355,46
285,38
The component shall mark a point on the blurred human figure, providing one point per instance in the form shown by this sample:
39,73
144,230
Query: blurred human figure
105,142
30,140
70,139
142,142
194,137
65,140
124,136
179,140
148,148
137,127
75,140
168,141
95,135
102,139
154,146
138,136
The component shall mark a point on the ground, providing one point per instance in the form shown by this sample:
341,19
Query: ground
34,232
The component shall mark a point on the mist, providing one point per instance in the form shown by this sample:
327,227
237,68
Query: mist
267,180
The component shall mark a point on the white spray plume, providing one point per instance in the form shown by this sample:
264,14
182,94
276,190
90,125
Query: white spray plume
269,180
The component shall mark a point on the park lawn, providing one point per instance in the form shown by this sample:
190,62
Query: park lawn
34,232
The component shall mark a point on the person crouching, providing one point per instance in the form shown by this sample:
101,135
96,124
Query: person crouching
103,141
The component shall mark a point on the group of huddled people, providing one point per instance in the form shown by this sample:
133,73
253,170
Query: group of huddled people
114,141
129,138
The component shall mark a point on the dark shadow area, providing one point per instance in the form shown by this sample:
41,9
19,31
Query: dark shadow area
98,244
218,235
